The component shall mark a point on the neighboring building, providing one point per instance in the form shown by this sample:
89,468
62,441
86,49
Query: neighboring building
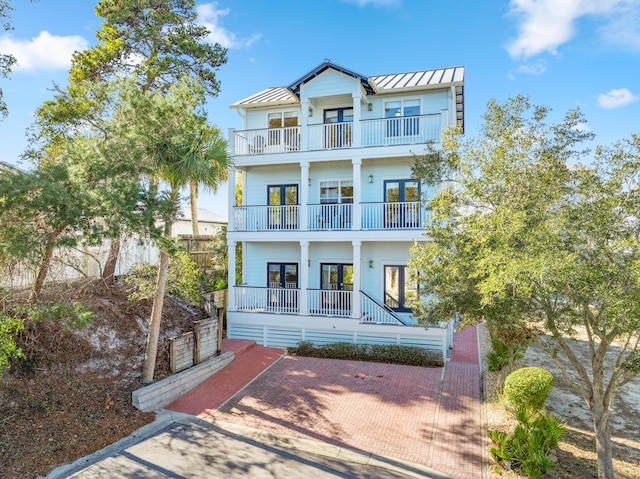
209,223
329,209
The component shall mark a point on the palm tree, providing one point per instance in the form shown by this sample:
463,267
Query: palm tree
206,163
199,158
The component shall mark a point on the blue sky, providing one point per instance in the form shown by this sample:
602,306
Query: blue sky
562,53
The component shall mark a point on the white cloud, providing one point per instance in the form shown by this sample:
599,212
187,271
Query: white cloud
209,16
544,25
42,53
375,3
537,68
616,98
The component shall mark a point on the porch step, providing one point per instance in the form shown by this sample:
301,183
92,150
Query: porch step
237,346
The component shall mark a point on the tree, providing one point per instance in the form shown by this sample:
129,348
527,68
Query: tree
155,42
205,163
526,237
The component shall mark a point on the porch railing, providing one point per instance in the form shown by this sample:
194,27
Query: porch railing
272,300
402,130
265,218
267,140
376,312
329,302
403,215
327,136
337,216
399,215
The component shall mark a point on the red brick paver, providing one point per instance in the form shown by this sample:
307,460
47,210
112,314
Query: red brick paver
429,416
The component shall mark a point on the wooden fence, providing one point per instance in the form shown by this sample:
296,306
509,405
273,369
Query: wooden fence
200,248
196,346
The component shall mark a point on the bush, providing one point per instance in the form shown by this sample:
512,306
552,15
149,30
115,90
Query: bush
379,353
9,350
528,447
184,279
528,388
503,354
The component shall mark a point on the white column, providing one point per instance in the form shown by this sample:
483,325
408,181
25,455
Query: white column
304,196
357,123
357,276
304,123
231,275
304,278
356,221
231,200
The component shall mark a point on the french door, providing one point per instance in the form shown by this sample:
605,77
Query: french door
283,213
402,204
337,130
337,279
399,293
283,285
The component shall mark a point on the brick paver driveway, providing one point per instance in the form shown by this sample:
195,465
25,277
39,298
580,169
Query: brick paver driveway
429,416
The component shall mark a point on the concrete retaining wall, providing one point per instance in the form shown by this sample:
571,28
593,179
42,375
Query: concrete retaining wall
157,395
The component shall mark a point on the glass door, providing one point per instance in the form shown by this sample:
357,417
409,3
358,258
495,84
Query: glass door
338,131
335,278
399,293
283,285
283,214
402,209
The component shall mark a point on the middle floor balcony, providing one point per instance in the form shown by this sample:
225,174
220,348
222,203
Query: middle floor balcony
399,215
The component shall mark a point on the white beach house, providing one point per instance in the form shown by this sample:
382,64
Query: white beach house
329,209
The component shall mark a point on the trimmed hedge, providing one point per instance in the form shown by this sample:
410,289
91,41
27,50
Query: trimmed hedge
377,353
528,388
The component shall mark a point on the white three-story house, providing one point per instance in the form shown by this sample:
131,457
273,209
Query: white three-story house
328,208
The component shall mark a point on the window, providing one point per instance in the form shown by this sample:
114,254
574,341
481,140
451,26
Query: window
283,212
402,204
335,199
403,117
278,120
399,292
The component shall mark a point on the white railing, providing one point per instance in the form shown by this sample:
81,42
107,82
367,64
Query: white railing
267,140
336,216
266,218
399,215
327,302
373,312
328,136
401,130
379,132
272,300
402,215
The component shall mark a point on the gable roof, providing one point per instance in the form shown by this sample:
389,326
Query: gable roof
324,66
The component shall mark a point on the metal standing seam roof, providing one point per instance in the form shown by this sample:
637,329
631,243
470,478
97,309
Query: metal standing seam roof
391,83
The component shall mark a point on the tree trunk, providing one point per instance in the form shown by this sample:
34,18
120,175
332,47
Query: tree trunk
45,263
109,270
603,442
151,350
194,209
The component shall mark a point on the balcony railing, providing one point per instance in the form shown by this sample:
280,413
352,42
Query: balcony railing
403,215
271,300
266,218
378,132
336,216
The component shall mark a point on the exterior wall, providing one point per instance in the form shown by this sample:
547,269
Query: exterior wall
258,118
329,83
184,228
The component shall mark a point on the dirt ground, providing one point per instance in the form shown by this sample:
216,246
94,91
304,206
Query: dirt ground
73,397
575,456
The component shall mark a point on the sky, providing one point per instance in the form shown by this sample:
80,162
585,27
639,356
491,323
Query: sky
561,53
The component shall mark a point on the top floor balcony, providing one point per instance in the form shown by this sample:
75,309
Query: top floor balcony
405,130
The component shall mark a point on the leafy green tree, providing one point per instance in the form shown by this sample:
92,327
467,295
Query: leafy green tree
153,42
6,61
525,237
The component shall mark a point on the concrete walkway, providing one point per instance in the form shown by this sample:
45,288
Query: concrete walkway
427,416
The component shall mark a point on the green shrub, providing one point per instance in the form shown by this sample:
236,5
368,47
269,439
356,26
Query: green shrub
528,447
528,388
9,328
503,354
380,353
71,315
184,279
